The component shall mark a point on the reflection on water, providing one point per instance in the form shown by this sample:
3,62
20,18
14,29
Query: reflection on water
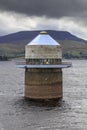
17,113
24,103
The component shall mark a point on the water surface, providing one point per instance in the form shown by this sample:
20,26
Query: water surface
16,113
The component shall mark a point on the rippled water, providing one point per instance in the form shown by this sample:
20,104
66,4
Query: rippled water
16,113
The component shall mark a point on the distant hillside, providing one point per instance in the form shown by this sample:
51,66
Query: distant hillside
73,49
13,45
29,35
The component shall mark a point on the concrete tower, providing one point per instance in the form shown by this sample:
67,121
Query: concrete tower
43,68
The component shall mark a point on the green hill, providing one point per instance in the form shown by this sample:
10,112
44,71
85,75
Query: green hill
74,49
13,45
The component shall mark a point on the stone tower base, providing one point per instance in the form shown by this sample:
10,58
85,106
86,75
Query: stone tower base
43,83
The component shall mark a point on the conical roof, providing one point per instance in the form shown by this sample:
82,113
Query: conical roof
43,39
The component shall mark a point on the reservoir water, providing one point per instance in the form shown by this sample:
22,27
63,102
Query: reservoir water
16,113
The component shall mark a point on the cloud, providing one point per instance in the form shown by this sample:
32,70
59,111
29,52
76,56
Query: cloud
12,22
69,15
49,8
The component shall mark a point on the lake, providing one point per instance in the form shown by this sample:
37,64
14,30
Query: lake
16,113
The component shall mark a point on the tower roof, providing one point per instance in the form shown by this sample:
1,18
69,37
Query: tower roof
43,39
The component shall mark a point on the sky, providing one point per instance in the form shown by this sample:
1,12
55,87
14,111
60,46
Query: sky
61,15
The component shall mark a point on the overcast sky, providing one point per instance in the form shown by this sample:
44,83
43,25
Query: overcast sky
68,15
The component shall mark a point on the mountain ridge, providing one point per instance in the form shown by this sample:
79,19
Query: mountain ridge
30,35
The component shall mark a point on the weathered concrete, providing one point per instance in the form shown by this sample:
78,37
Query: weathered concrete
43,83
43,51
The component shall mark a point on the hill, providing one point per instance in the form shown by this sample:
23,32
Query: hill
29,35
13,45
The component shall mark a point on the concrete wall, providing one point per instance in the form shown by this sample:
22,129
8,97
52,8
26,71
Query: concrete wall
42,52
43,83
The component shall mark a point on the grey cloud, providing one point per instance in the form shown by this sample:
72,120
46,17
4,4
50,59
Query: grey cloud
49,8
